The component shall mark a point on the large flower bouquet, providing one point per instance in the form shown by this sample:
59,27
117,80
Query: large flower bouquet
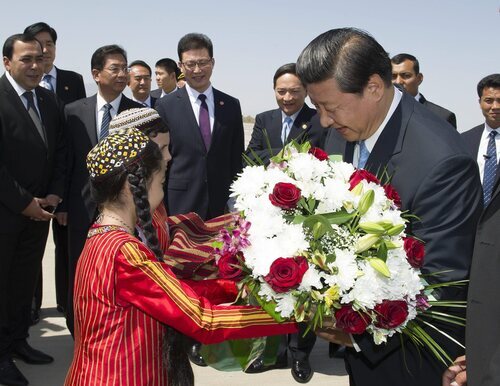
318,239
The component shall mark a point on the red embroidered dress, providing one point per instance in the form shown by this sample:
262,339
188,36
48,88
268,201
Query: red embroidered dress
123,296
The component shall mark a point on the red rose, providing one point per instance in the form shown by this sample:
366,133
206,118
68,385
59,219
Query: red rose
391,313
286,273
285,195
360,175
351,321
230,266
392,194
318,153
415,252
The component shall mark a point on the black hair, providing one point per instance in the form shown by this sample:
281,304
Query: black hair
36,28
289,68
142,64
195,41
99,56
348,55
400,58
169,65
8,46
492,80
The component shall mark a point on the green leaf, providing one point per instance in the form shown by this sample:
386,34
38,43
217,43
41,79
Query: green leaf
311,221
268,306
299,219
336,157
382,252
380,266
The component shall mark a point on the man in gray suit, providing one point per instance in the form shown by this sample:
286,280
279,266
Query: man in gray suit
406,72
377,127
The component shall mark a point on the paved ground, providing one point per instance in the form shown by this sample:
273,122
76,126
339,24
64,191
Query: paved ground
51,336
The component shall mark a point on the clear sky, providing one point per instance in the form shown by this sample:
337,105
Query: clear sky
456,41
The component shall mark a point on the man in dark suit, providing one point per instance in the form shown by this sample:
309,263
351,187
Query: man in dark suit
32,162
483,308
166,73
204,163
292,120
87,121
437,180
69,87
139,82
483,141
406,72
206,136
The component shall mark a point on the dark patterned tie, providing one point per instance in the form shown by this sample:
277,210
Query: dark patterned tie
204,121
363,154
490,168
35,117
106,118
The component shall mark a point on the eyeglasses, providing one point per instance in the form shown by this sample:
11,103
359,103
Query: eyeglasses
115,70
202,63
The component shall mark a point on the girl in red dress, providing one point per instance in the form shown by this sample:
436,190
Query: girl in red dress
125,294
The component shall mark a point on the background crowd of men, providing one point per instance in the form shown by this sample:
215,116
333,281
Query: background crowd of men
48,125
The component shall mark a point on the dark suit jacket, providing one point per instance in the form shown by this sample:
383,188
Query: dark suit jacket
198,180
483,306
306,127
81,131
28,168
438,181
472,139
447,115
69,86
156,93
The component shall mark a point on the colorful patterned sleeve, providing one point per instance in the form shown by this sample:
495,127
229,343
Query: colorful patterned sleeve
152,287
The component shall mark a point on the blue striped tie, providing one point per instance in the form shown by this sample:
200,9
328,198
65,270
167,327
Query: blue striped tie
490,168
285,132
106,118
47,79
363,154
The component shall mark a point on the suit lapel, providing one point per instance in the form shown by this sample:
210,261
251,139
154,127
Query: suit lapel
89,118
274,129
19,106
301,124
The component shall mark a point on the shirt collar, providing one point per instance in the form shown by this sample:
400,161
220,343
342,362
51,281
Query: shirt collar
488,129
193,94
114,103
19,90
293,116
52,72
418,97
370,142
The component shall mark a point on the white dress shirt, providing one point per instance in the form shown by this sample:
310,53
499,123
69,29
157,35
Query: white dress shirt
483,147
163,93
196,103
100,110
20,91
370,142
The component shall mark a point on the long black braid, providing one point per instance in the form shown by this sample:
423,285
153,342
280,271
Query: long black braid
179,369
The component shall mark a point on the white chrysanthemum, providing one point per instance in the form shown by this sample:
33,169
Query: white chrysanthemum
367,289
250,182
274,176
342,170
312,278
405,281
263,251
335,194
266,292
306,168
347,267
285,305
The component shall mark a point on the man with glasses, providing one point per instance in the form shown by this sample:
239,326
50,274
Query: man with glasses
139,82
87,122
206,136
